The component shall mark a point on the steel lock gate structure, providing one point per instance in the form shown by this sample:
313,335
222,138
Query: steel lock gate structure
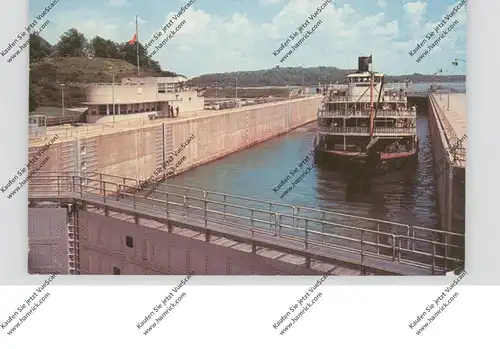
383,247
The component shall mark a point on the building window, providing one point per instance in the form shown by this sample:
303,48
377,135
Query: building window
161,88
129,241
116,271
102,110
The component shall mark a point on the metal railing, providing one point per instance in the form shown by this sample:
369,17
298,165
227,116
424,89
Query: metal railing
387,98
69,131
169,85
417,93
456,145
366,113
339,98
365,238
380,131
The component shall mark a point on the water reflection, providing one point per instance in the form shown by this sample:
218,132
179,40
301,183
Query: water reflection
405,196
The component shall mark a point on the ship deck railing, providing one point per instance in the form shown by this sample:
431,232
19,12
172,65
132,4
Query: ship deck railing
356,99
366,113
393,247
378,131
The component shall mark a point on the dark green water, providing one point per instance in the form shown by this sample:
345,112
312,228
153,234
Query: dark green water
407,196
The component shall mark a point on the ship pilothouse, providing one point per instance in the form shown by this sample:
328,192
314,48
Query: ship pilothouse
366,121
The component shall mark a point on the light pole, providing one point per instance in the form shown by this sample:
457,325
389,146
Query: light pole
449,89
236,85
302,76
455,62
216,88
289,78
322,76
113,90
62,101
439,72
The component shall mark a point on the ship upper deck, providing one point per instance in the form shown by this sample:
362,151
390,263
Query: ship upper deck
380,113
364,75
392,98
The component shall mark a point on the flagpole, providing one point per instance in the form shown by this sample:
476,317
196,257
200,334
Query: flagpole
137,42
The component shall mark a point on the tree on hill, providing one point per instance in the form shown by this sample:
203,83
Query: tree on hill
76,69
72,44
103,48
33,98
129,54
39,48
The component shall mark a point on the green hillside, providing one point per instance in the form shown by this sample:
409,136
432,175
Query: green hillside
75,61
279,76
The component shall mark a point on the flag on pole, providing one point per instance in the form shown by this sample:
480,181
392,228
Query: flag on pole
133,40
136,36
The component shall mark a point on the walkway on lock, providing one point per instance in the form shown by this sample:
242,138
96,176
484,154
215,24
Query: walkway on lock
379,246
451,115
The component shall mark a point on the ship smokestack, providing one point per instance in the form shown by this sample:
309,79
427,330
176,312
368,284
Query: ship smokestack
364,64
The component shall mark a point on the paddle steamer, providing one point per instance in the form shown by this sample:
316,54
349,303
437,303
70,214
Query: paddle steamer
366,122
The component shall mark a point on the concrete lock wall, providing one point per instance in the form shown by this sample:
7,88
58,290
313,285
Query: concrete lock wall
458,202
226,132
104,250
122,153
61,156
449,179
137,151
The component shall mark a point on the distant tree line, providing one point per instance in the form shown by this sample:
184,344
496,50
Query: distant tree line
280,76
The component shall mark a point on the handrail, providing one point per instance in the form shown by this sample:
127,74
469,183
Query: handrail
377,239
458,151
334,98
389,113
69,131
273,204
365,130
